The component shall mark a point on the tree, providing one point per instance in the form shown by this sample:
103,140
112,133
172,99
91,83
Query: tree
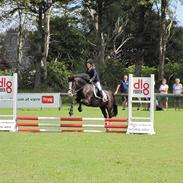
105,24
15,8
42,10
142,26
68,43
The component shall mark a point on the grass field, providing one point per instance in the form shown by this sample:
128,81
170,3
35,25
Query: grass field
94,157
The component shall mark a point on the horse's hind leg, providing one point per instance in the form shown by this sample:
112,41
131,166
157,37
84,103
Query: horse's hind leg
103,109
109,111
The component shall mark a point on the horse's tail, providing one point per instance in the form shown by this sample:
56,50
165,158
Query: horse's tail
115,107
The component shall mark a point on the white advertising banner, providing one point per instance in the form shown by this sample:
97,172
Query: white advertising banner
35,100
140,127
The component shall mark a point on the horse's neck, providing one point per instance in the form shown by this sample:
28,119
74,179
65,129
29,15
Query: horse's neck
81,83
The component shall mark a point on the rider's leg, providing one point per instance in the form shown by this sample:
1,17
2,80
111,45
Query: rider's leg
98,85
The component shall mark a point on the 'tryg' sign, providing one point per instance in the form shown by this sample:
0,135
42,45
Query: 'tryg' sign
48,99
141,87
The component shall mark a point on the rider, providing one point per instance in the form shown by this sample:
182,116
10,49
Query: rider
94,77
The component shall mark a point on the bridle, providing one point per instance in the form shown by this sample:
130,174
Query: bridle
72,88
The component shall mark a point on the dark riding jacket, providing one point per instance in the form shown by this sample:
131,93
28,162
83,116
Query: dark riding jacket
93,75
123,86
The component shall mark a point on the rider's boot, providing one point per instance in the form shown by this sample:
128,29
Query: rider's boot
104,99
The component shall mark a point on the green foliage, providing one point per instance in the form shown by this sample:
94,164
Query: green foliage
145,2
173,71
26,79
113,72
143,25
146,70
175,45
5,73
68,42
58,75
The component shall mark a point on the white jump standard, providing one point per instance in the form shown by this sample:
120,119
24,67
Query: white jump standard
143,89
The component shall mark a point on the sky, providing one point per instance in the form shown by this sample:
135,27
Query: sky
179,14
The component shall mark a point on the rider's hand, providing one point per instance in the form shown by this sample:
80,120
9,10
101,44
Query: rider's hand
91,81
70,93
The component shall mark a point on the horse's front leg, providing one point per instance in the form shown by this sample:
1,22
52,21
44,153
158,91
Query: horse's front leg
78,100
80,109
103,109
71,111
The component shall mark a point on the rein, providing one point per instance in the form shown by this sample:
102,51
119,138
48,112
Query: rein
75,91
79,89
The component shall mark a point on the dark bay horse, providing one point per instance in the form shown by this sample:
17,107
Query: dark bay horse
80,87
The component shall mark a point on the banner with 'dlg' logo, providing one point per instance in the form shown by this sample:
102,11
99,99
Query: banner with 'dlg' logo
6,85
141,87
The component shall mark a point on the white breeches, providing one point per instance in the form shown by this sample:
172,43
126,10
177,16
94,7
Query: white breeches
98,85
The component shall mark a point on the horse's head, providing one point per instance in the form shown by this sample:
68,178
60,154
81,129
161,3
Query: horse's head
76,83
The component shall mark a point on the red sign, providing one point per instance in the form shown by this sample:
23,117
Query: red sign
5,85
47,99
141,87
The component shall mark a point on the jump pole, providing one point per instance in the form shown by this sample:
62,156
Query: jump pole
37,118
27,121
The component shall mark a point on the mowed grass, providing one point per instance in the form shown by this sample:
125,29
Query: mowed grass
94,157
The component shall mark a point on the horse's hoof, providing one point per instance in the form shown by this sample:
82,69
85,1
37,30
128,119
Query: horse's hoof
79,109
71,113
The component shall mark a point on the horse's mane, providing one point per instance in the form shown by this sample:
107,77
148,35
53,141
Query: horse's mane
83,76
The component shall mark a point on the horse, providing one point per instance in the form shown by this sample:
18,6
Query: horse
86,93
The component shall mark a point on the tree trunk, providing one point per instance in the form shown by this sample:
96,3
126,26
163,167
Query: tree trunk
37,82
100,53
46,43
140,40
95,9
163,38
100,49
138,64
19,41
